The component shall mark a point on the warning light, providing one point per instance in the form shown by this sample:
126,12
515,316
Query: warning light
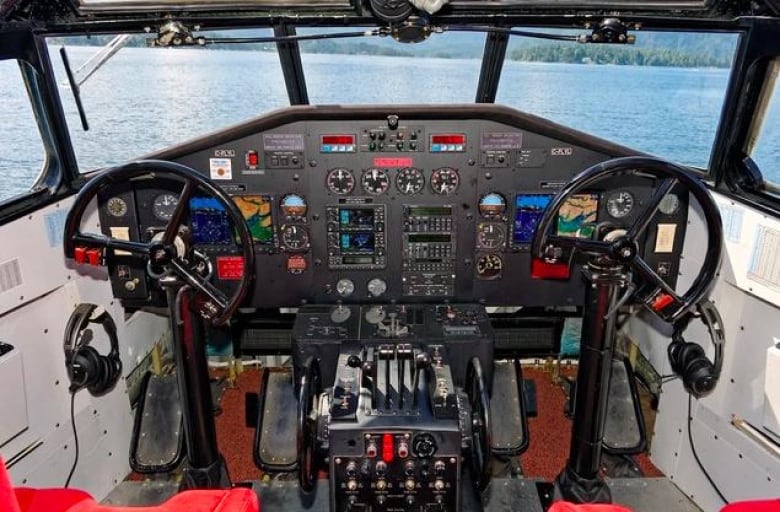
541,269
252,159
387,448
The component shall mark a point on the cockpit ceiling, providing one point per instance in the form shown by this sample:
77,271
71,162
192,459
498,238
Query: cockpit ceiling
98,5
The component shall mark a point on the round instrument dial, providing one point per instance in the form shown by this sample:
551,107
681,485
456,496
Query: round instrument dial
669,204
376,287
620,203
490,236
164,205
345,287
410,180
375,181
117,207
340,181
492,205
489,266
295,238
294,206
445,180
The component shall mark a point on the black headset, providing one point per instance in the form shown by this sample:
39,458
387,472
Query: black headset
86,367
688,360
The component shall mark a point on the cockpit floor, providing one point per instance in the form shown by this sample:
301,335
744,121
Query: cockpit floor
546,456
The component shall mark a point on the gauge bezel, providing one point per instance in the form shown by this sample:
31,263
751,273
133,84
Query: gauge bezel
294,216
437,173
122,204
330,187
382,175
609,202
492,215
155,206
417,173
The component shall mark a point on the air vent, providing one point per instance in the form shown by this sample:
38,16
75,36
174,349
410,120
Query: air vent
10,275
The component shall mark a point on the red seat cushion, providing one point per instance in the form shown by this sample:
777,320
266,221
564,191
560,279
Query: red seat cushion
753,506
565,506
24,499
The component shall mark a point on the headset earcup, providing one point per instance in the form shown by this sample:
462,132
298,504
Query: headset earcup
84,368
698,372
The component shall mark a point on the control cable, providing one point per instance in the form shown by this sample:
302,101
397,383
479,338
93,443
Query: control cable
75,437
513,32
696,456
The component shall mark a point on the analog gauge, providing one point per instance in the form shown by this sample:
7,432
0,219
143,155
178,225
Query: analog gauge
164,205
377,287
340,181
295,238
445,180
489,266
117,207
294,206
410,180
345,287
492,205
375,181
490,236
669,204
620,203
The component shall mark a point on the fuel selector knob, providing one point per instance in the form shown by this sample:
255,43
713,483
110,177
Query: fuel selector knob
424,446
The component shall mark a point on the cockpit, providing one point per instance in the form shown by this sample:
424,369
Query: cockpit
406,281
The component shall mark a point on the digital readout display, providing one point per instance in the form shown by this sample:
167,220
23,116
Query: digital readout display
528,210
338,139
361,242
429,238
425,211
356,217
393,162
448,138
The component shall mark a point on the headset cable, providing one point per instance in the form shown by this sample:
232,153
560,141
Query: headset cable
75,437
696,456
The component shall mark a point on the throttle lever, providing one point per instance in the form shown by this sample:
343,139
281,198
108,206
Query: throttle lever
422,362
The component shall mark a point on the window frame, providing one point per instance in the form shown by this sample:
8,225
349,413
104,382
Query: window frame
58,171
731,165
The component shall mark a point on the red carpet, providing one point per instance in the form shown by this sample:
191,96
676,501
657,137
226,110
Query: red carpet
546,455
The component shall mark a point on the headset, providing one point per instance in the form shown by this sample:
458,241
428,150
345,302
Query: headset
86,367
688,360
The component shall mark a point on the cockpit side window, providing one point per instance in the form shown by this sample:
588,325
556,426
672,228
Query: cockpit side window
764,144
22,153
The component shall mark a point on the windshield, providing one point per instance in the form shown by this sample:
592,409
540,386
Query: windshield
661,96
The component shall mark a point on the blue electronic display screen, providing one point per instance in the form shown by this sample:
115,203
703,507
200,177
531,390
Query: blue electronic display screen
528,210
356,217
360,242
210,222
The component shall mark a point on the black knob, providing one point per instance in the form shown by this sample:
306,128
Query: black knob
392,121
354,361
423,360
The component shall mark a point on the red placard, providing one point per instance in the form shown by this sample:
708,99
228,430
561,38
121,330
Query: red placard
389,161
448,138
230,268
338,139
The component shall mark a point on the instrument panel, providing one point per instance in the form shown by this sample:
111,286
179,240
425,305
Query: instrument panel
393,204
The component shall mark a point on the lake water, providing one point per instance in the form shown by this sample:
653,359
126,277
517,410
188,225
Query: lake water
143,100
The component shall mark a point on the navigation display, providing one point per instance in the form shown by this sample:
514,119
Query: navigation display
577,216
356,217
210,222
256,210
528,210
362,242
